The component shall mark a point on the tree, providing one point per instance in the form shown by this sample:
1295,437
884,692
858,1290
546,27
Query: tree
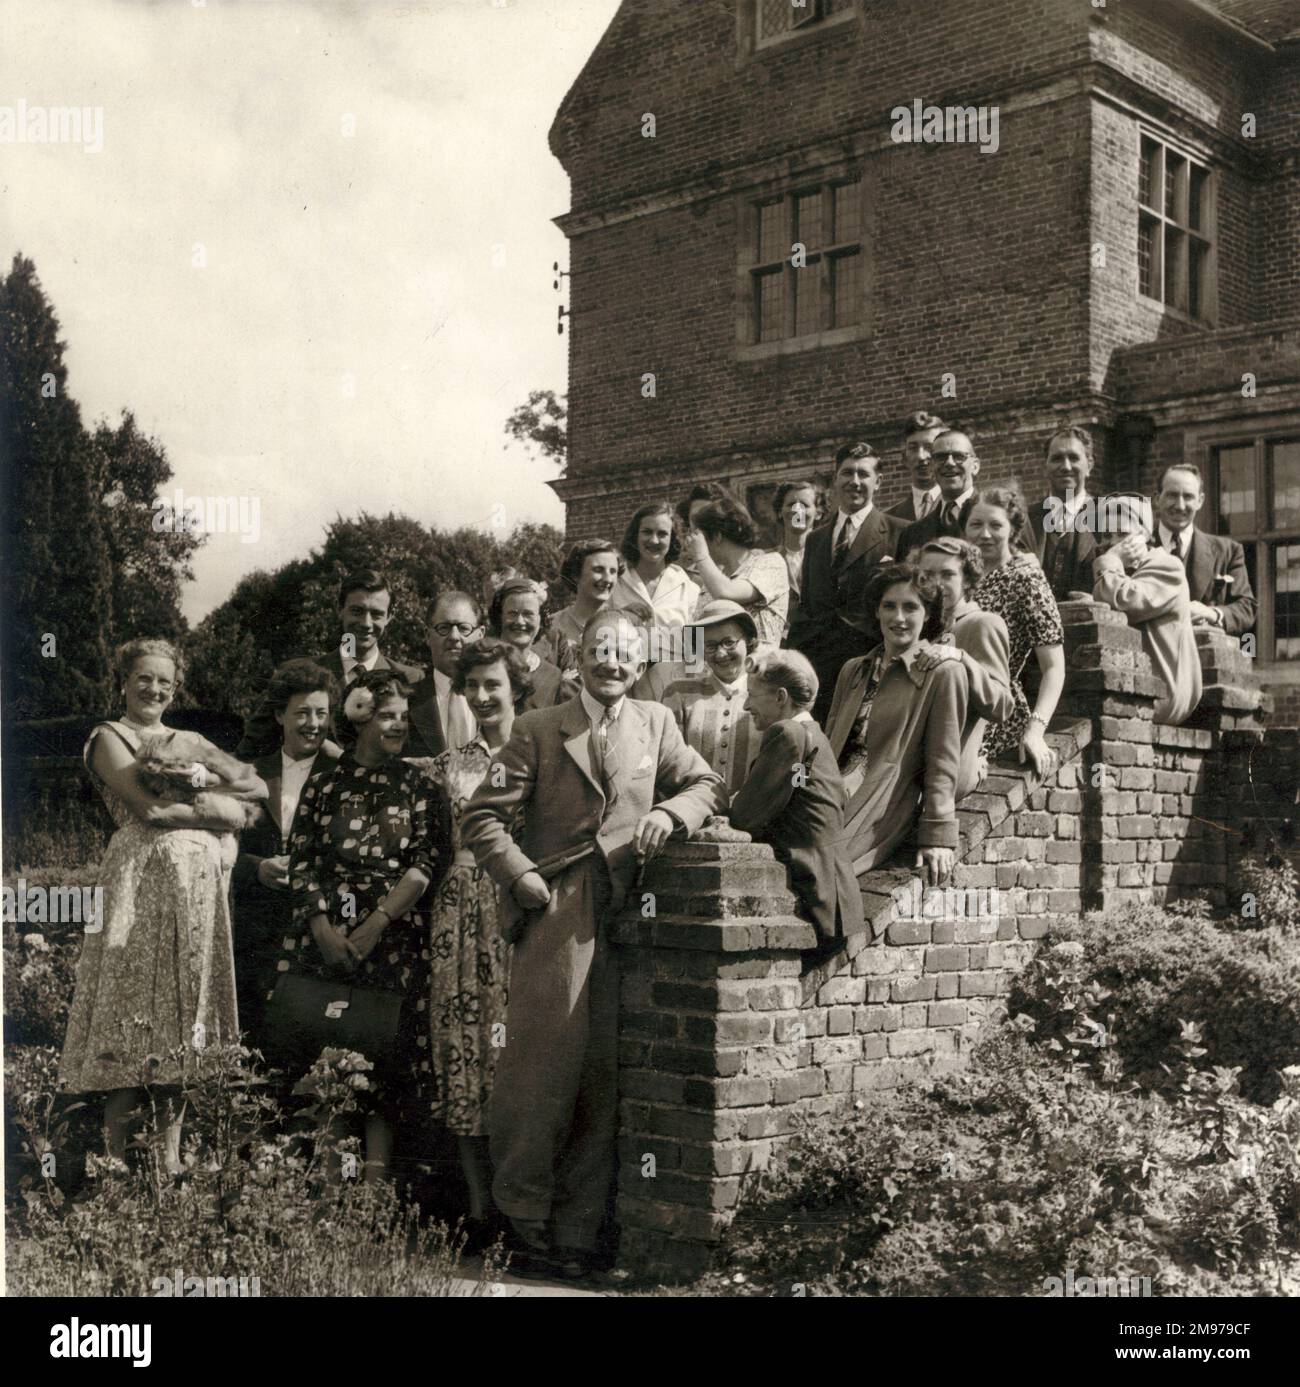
148,565
55,581
542,424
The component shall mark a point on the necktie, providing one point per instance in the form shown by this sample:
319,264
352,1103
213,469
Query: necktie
460,721
607,754
1176,546
950,516
928,503
843,543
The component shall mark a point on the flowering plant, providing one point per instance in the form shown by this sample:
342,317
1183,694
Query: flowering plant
359,705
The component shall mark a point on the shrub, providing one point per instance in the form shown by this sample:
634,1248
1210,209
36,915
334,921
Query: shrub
1152,969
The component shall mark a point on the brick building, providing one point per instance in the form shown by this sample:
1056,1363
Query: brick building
1122,246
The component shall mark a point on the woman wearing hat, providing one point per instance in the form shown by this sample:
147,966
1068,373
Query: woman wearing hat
710,705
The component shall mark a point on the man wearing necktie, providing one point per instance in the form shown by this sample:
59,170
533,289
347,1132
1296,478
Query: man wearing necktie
440,717
955,468
1215,564
919,433
365,609
830,625
597,785
1062,520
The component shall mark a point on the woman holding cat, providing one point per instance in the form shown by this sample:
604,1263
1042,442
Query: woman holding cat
156,976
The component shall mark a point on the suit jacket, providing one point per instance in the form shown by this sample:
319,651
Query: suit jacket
804,823
550,776
920,532
261,731
831,616
1210,561
1066,556
984,637
268,837
914,737
426,736
905,509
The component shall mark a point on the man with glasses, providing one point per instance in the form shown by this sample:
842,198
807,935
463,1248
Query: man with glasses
365,609
440,717
919,433
710,707
956,466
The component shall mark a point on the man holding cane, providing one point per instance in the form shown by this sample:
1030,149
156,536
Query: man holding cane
602,783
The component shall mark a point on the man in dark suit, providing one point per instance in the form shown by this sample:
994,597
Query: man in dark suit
300,697
830,625
365,607
1062,520
1216,565
919,432
956,466
602,782
440,717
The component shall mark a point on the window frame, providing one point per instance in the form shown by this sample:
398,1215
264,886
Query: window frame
749,45
1178,222
1203,449
819,267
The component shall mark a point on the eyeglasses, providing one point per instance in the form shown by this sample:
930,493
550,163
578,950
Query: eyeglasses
445,628
727,647
943,455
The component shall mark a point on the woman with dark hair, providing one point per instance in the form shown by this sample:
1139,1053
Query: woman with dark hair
372,834
591,569
1015,587
730,567
156,975
471,960
300,698
653,576
897,729
798,506
516,615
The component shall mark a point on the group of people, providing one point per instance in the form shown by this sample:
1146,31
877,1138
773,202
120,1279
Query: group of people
440,854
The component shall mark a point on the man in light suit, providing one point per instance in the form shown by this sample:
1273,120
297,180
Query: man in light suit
1217,580
603,781
440,717
1062,520
919,432
831,625
365,608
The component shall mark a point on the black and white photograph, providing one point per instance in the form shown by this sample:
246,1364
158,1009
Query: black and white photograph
650,651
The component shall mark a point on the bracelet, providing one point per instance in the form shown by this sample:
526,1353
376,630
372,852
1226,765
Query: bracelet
1035,717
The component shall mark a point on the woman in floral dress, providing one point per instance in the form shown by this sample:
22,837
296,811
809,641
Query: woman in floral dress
371,835
158,974
471,960
1015,587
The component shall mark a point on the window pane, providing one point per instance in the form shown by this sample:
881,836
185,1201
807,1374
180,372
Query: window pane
1175,186
772,243
1198,255
847,198
808,298
1198,199
1284,483
1146,253
1149,174
845,288
1237,490
808,219
1286,607
769,306
1175,267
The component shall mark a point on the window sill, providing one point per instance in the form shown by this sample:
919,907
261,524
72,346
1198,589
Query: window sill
788,346
1177,314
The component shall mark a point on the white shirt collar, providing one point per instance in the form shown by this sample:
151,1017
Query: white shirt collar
803,715
350,663
959,501
739,686
596,710
922,494
1167,537
855,519
296,766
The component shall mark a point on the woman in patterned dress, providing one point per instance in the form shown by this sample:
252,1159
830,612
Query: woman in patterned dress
1015,587
158,974
371,835
471,960
722,548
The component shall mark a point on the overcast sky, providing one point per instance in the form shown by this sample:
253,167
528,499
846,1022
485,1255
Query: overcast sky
314,253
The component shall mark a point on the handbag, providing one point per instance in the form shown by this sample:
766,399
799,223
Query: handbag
306,1014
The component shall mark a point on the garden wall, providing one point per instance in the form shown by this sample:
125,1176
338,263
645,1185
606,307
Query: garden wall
735,1024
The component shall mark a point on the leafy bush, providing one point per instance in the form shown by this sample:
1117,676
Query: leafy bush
39,976
256,1200
1157,968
